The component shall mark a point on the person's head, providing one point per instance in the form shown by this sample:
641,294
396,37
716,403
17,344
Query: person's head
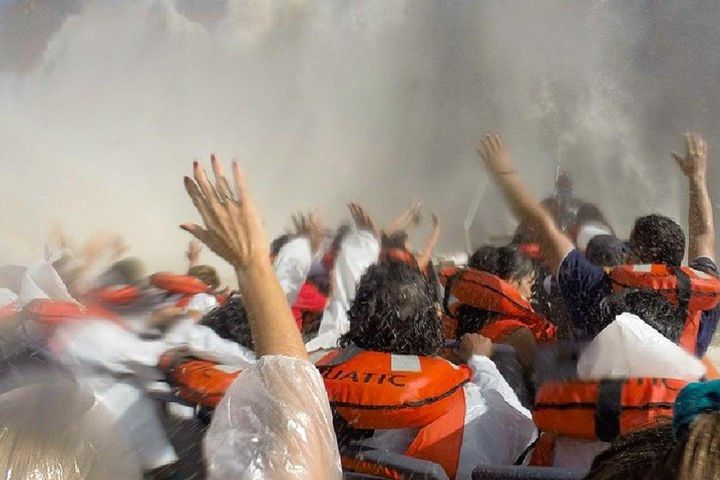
230,322
657,239
606,251
696,426
650,306
207,274
394,312
508,264
55,430
277,244
696,454
395,240
633,455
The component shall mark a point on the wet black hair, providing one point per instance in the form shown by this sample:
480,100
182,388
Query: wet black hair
589,212
394,240
230,321
649,305
508,263
657,239
278,243
394,312
634,455
606,251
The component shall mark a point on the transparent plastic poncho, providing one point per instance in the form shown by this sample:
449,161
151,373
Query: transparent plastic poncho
274,423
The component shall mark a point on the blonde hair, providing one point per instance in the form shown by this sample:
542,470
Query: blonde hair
700,449
55,431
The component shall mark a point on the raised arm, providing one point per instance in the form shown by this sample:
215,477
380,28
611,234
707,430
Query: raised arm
553,243
425,257
234,231
700,217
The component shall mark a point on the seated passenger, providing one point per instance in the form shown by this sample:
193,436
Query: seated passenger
494,301
434,410
656,241
629,377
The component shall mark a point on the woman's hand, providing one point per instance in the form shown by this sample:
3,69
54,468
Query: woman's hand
496,157
233,228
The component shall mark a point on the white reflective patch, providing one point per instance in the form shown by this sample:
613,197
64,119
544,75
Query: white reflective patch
226,368
642,268
700,274
404,363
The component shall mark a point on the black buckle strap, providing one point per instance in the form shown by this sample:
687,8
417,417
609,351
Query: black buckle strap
684,288
608,410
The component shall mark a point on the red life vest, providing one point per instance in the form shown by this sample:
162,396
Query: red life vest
602,410
488,292
201,382
310,299
115,295
691,289
59,312
7,311
185,285
398,254
377,390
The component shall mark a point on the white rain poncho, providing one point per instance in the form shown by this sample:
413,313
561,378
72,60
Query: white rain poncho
359,250
292,266
274,423
627,348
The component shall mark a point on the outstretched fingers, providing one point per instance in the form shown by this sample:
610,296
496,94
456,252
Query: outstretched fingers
221,184
199,201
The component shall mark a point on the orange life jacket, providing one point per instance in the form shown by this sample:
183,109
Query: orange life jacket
692,290
377,390
488,292
115,295
7,311
201,382
59,312
185,285
602,410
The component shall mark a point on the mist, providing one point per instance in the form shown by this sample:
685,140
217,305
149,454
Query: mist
105,104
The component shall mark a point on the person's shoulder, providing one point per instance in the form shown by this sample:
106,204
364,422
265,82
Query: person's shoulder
575,264
705,265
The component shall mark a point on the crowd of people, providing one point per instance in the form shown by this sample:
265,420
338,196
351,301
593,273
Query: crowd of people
567,352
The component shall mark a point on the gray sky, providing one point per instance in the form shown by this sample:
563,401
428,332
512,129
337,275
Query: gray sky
104,105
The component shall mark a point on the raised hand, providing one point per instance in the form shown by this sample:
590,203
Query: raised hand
233,228
474,344
310,226
362,219
694,163
407,219
496,157
193,252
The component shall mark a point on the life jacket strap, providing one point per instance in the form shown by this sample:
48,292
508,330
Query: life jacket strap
609,409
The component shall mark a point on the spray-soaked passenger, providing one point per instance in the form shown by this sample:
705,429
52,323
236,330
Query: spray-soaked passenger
466,415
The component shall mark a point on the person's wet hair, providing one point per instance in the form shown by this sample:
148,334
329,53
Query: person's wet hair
634,455
606,251
279,242
230,321
650,306
394,240
394,312
657,239
507,263
207,274
696,454
590,213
